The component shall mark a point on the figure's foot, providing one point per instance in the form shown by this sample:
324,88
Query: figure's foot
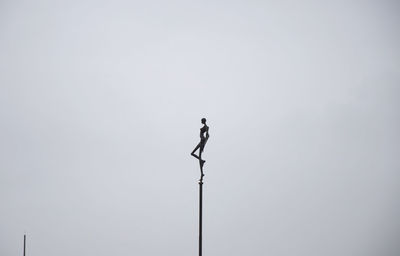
201,178
202,162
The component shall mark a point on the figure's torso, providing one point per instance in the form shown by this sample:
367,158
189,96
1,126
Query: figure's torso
203,130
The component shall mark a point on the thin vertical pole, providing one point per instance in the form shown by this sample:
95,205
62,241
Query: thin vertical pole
200,216
24,243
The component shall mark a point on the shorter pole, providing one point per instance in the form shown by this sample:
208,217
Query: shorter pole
24,243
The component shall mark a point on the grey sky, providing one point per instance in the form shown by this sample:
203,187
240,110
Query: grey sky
100,106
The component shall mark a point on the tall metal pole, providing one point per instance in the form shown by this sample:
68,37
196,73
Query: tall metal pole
24,243
200,216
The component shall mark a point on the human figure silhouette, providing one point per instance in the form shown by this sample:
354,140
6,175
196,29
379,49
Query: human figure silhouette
203,140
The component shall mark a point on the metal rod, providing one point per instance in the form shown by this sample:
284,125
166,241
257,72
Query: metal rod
201,211
200,216
24,244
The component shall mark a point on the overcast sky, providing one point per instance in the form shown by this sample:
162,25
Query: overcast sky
100,107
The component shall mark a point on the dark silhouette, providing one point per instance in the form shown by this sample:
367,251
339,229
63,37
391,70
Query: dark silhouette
203,140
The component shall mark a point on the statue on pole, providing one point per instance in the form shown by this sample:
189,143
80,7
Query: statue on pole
203,140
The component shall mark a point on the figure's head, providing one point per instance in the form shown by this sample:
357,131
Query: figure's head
203,121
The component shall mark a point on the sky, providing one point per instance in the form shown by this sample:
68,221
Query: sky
100,107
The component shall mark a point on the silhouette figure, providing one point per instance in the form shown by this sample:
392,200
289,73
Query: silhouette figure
203,140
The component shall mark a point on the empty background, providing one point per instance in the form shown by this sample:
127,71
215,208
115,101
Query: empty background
100,107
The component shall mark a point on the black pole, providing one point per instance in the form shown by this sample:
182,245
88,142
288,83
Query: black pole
24,243
200,216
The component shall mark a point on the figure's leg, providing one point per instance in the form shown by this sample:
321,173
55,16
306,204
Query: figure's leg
194,150
201,161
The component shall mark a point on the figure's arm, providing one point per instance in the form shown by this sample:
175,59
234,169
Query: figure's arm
207,135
